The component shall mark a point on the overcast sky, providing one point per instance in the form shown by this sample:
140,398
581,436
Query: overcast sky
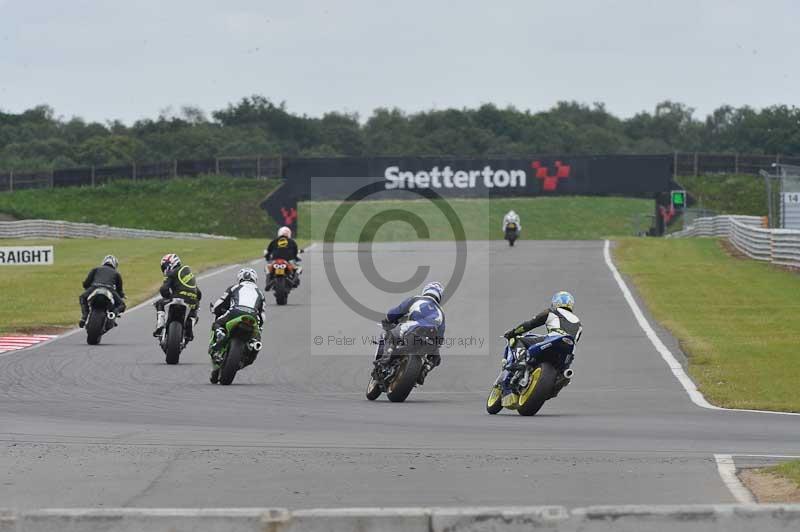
129,59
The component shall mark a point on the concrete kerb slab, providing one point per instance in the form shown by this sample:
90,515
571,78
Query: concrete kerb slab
360,519
510,519
153,520
689,518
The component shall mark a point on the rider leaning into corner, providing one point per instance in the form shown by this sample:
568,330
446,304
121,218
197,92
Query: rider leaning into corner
559,318
104,276
284,247
512,217
413,314
179,282
244,297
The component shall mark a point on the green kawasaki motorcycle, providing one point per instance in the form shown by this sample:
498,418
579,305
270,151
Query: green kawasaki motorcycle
241,347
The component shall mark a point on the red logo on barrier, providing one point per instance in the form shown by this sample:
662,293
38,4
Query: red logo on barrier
550,181
289,215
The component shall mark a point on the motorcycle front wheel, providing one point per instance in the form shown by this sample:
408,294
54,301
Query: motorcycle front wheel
174,340
494,403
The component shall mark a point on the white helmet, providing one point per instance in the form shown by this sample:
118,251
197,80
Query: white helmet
434,290
247,274
285,231
110,260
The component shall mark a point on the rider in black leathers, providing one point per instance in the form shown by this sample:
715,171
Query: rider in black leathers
106,276
180,282
284,247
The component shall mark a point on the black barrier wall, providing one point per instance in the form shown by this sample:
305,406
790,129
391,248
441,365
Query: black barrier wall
644,176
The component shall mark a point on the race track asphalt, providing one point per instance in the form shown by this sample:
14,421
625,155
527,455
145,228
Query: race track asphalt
112,425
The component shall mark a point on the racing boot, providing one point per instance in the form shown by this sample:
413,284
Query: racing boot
188,332
161,319
84,312
215,352
510,400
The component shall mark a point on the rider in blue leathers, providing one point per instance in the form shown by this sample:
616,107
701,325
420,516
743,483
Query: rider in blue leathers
415,314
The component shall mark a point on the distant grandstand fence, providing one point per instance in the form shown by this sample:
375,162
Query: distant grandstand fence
89,176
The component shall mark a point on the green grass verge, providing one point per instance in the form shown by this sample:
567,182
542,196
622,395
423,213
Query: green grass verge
736,319
788,470
567,218
36,297
728,193
211,204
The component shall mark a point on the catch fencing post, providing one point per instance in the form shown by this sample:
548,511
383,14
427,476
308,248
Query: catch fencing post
11,181
695,164
92,176
175,168
52,178
258,167
216,164
133,170
674,165
736,163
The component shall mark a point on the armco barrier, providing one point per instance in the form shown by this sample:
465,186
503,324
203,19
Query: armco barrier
59,229
779,246
705,518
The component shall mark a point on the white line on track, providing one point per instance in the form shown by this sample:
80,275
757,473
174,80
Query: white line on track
672,362
727,470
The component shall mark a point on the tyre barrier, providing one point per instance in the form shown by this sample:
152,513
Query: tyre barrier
690,518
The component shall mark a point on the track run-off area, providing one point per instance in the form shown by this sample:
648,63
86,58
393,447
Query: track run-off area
113,426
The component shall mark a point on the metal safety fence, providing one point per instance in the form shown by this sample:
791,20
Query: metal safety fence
253,167
745,233
60,229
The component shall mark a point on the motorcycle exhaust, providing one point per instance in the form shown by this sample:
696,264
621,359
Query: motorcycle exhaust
110,315
255,345
568,373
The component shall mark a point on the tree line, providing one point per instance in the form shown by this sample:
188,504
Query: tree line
38,139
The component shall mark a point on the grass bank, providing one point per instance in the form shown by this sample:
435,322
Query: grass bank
788,470
736,319
211,204
568,218
47,296
728,193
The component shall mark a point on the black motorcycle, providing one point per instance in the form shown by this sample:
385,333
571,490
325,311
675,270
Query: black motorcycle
405,364
511,233
101,317
173,337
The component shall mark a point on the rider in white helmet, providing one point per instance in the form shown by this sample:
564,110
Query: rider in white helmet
284,247
512,217
244,297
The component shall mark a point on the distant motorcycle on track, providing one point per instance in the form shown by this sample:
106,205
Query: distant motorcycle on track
539,370
511,233
282,278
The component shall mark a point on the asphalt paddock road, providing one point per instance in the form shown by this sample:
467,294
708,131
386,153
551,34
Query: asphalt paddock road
112,425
